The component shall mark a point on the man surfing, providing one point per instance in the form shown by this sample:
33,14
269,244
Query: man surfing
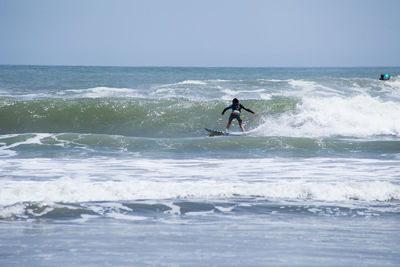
236,108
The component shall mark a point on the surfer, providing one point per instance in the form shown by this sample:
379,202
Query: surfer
236,108
385,77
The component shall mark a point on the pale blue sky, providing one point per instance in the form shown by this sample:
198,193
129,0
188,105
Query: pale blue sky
200,33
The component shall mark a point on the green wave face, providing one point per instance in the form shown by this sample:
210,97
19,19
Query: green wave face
130,117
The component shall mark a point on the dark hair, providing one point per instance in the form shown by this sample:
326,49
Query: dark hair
235,100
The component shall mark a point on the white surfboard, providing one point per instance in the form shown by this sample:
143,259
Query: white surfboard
214,132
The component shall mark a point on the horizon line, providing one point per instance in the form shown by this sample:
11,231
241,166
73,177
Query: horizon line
192,66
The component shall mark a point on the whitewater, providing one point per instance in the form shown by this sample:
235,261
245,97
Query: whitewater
112,165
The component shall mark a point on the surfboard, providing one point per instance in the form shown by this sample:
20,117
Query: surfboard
214,132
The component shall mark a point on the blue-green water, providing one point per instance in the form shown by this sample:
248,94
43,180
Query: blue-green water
112,166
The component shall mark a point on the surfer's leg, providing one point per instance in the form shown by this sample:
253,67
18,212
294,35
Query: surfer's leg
228,125
241,126
239,118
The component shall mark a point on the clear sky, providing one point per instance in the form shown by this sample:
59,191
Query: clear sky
259,33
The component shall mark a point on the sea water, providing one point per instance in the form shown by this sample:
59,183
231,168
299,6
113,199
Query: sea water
111,166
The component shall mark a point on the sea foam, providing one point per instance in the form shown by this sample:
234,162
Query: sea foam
358,116
132,179
69,191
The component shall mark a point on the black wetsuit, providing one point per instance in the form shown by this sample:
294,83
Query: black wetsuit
238,107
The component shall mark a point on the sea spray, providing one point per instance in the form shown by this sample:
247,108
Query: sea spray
358,116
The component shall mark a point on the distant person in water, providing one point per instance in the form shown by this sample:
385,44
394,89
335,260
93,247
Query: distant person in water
236,108
384,77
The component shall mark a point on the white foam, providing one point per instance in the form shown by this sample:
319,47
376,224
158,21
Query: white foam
392,87
121,216
265,96
273,80
192,82
61,191
228,94
118,180
357,116
303,84
35,139
100,92
310,88
222,80
13,210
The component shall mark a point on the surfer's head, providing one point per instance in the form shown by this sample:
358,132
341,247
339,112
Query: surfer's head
235,101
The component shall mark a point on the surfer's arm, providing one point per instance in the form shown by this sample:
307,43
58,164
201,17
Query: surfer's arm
247,109
228,107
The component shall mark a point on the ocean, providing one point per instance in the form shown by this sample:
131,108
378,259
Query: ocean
111,166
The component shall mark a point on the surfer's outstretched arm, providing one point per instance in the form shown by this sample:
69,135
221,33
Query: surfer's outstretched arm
225,109
247,109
